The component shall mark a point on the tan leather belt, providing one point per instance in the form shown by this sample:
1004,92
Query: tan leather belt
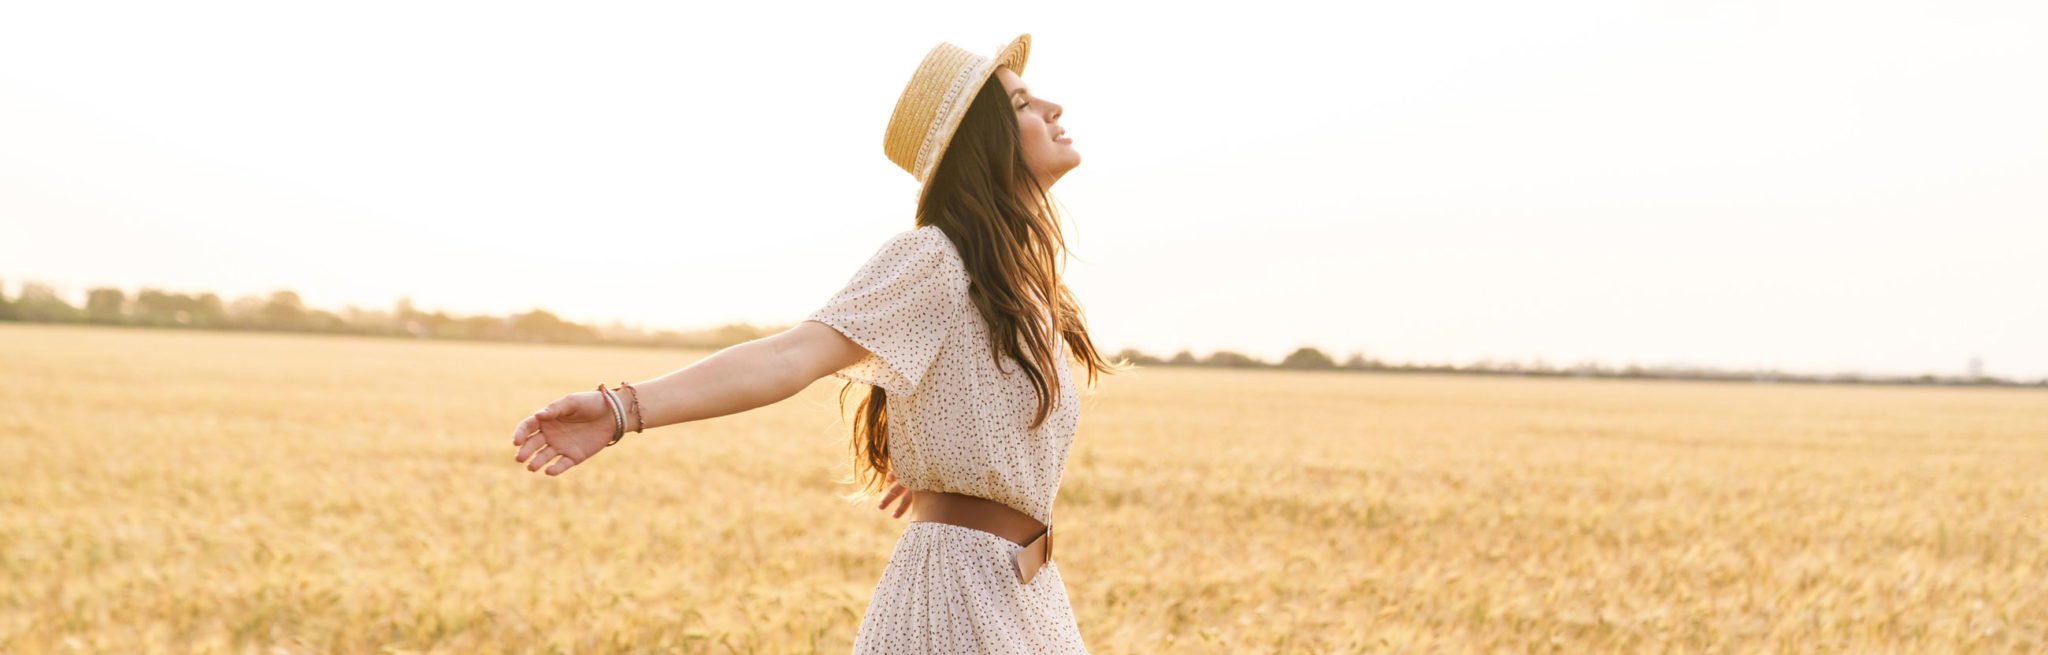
991,517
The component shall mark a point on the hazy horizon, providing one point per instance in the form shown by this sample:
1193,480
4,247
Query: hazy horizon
1840,187
77,299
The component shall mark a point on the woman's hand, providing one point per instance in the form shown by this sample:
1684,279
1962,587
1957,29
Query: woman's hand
893,493
575,427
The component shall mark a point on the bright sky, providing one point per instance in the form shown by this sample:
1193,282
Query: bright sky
1850,186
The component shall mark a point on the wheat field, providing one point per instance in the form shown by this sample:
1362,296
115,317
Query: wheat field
175,492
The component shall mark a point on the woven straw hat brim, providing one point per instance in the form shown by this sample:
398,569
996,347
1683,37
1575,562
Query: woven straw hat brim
936,99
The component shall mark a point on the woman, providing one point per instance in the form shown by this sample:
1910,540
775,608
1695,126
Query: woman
953,327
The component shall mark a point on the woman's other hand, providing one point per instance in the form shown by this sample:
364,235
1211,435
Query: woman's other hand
894,493
573,427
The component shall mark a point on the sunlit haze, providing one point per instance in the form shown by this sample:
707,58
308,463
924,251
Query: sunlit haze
1827,187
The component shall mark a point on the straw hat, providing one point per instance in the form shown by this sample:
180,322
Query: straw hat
936,99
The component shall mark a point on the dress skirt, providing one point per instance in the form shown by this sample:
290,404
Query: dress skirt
953,590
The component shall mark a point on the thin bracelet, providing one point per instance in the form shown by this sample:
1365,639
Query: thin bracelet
612,403
618,414
620,406
640,419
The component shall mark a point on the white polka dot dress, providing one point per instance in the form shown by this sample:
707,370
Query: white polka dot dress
958,422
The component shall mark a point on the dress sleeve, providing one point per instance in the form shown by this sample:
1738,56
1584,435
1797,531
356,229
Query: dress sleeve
901,305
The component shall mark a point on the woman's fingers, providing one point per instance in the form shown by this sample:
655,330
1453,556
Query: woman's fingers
898,492
569,420
559,409
527,449
561,465
541,458
525,429
893,493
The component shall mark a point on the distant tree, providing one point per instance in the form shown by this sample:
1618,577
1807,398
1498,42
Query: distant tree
39,302
1183,358
479,327
283,311
542,325
432,325
1358,360
105,305
157,307
320,320
1307,358
536,324
1231,359
206,311
6,306
246,312
410,320
368,321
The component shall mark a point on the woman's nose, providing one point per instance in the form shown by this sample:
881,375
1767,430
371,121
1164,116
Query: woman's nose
1056,109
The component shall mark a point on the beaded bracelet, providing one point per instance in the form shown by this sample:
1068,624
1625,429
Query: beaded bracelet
639,420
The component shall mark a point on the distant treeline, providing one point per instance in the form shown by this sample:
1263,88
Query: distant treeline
282,311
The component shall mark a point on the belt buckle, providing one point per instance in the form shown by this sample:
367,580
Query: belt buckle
1034,556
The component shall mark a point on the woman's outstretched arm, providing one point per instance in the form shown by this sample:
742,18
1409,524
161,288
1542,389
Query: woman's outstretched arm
733,380
748,375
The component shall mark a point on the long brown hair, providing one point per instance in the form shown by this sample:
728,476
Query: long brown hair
986,200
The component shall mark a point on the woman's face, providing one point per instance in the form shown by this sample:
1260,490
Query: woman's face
1047,150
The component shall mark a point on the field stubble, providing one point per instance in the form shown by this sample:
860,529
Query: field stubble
233,492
